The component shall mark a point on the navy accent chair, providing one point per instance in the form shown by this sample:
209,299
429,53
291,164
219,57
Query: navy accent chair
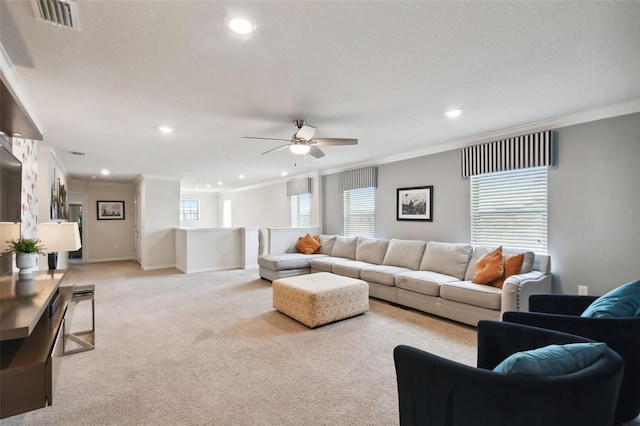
562,312
435,391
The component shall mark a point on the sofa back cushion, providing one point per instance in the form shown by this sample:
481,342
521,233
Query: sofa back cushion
404,253
447,258
345,247
479,251
327,242
371,250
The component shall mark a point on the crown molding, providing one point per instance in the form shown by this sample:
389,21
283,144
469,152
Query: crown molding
284,180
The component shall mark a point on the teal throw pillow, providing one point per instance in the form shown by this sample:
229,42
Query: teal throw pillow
552,360
623,301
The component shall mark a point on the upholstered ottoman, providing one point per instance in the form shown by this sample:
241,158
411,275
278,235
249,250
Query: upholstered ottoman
317,299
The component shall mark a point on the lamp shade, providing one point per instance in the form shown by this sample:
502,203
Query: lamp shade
8,231
59,236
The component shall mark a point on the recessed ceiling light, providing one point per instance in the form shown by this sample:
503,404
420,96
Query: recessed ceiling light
240,24
208,186
283,173
105,172
166,129
219,182
452,113
241,177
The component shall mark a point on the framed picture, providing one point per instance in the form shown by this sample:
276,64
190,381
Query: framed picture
110,210
415,203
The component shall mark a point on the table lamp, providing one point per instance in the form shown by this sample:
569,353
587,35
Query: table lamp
8,231
58,236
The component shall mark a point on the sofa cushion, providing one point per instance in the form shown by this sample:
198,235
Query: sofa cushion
489,267
325,263
371,250
623,301
552,360
278,262
307,244
327,242
345,247
349,268
425,282
470,293
404,253
382,274
479,251
447,258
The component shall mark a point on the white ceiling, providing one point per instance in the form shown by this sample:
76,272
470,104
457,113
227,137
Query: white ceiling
381,72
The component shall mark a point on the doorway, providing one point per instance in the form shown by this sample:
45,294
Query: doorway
76,213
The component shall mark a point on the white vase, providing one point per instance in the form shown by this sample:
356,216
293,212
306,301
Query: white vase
26,262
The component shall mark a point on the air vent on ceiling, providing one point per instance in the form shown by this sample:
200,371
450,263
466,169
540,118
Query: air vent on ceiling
61,13
77,153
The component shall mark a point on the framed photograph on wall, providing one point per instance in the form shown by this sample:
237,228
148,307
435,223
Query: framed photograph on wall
110,210
415,203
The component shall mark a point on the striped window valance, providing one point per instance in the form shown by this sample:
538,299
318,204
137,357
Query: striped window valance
366,177
299,186
533,150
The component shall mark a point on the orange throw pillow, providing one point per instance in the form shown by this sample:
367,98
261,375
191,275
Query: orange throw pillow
489,267
307,244
317,238
512,266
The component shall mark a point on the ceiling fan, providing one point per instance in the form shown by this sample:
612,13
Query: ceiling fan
303,142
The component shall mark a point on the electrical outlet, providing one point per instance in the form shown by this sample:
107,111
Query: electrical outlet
583,290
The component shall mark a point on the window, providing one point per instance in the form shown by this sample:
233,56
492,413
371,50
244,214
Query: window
510,209
189,210
359,212
226,214
300,210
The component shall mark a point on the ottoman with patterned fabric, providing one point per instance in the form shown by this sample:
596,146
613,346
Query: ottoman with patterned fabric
317,299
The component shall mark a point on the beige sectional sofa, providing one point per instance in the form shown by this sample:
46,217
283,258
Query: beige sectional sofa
430,276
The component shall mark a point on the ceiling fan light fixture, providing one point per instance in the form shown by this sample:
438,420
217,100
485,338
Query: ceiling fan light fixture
299,148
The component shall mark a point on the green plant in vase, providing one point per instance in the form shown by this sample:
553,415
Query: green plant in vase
27,251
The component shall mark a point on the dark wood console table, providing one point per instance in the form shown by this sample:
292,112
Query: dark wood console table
32,314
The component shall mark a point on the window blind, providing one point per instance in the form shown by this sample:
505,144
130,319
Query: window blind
510,209
301,211
359,212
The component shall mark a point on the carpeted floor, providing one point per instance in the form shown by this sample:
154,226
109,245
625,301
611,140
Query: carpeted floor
208,349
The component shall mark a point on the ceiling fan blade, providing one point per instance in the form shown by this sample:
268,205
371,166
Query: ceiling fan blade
314,151
306,132
333,141
274,149
266,139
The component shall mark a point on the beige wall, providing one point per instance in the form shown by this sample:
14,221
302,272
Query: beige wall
160,213
266,206
106,240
